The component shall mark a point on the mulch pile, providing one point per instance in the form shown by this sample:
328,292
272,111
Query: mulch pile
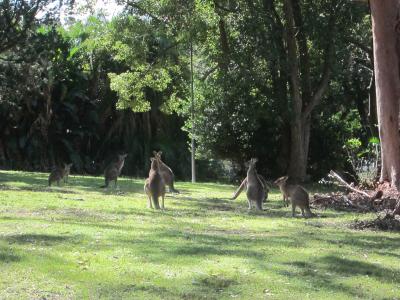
382,200
384,221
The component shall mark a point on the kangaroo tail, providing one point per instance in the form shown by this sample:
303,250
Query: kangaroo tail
106,184
308,210
172,188
154,198
240,189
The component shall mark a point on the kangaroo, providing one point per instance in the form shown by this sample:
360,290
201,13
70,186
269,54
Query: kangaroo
243,185
256,189
297,194
67,172
113,170
59,173
154,185
148,193
166,173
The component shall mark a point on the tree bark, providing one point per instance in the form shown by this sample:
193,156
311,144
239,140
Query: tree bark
303,99
297,166
387,79
223,39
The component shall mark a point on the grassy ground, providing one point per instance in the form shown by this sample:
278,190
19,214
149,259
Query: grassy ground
81,242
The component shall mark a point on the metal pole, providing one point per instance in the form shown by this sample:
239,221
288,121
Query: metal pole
192,114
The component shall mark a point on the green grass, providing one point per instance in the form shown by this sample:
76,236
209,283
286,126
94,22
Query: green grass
82,242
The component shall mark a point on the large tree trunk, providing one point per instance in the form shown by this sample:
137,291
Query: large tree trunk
303,99
387,79
298,163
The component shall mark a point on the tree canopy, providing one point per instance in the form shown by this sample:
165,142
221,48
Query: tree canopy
287,81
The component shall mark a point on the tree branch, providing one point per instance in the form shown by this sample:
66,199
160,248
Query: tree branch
208,73
292,57
226,9
346,185
361,46
324,83
146,12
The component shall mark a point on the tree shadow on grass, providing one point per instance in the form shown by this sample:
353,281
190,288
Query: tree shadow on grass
28,178
270,208
351,267
362,241
42,239
38,182
128,291
7,257
322,272
40,189
175,246
124,186
319,278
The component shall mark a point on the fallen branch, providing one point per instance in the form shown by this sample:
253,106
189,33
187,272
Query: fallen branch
349,203
346,185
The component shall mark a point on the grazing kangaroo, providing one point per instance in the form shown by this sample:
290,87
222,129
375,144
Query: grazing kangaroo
154,186
113,170
166,173
59,173
297,194
256,189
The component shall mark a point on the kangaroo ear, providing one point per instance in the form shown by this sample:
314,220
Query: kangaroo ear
152,159
253,161
159,153
154,153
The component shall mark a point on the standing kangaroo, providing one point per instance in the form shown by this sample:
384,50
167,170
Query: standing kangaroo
166,173
154,186
113,170
256,188
59,173
297,195
67,172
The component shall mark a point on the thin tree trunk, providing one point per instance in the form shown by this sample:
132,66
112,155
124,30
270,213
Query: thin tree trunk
372,117
387,79
303,52
306,137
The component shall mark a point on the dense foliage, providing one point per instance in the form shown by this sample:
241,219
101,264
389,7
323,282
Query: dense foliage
82,91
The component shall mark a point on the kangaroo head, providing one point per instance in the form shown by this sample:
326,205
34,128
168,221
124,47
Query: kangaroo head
121,157
281,180
154,163
157,154
67,166
252,163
